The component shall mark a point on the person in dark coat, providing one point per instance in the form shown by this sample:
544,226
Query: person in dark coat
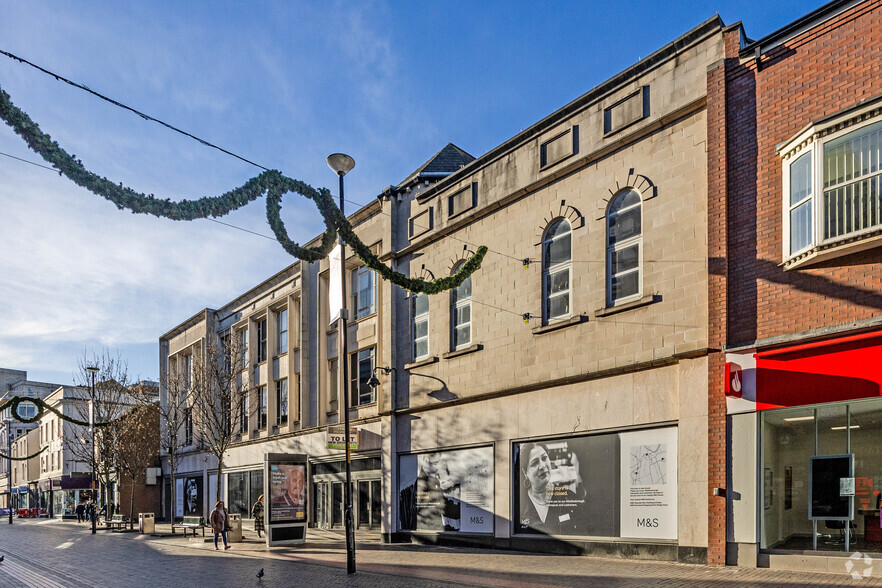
81,512
219,519
257,515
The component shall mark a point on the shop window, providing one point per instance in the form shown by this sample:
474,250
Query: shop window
792,486
556,270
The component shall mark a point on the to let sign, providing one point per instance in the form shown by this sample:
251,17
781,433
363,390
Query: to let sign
337,438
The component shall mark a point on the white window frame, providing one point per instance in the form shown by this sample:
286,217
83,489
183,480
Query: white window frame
281,330
457,304
417,319
552,270
359,306
812,140
622,245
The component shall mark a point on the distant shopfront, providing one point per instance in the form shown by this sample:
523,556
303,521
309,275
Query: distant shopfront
817,413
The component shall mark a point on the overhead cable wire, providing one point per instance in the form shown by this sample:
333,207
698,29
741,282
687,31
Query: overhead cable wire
129,108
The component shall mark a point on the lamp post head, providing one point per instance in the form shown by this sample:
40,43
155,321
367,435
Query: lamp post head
374,381
341,163
92,369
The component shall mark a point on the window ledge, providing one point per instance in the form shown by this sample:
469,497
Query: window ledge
645,301
571,322
840,248
421,363
463,351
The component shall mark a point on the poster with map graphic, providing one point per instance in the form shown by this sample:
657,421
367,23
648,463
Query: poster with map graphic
649,483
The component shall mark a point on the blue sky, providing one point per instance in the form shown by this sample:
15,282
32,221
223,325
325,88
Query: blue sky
283,84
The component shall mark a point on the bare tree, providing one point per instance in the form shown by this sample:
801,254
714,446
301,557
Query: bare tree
136,446
111,400
173,413
219,398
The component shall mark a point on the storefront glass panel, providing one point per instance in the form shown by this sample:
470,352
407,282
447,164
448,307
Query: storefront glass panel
790,438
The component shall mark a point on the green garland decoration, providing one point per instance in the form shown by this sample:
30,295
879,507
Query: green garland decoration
27,457
272,183
13,402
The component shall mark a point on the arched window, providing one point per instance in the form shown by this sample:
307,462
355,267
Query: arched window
556,270
461,314
624,248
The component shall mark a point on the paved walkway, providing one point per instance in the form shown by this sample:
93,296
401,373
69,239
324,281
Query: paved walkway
51,554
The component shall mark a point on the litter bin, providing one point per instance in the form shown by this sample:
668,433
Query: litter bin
234,535
146,522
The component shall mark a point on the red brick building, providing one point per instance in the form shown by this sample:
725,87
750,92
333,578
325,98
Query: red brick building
795,213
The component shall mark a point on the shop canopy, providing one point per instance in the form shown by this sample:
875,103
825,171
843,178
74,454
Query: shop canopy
834,370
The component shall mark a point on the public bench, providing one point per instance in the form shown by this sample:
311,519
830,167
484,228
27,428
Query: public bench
191,523
120,521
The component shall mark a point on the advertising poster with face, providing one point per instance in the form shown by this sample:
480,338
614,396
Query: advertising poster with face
191,494
447,491
649,483
287,485
567,487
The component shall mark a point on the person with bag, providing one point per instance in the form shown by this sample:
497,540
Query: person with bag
220,522
257,514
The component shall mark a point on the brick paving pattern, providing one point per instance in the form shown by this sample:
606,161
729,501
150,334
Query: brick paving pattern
52,554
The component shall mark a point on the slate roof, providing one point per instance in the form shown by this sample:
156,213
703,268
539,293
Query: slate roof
447,161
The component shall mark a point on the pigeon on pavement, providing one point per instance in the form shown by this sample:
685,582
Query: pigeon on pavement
260,574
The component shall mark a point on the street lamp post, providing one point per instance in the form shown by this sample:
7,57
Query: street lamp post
92,370
8,424
343,164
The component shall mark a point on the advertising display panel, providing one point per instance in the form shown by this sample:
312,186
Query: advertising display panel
287,484
188,497
285,481
612,485
649,483
827,501
447,491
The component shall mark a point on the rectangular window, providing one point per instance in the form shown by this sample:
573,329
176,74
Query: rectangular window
282,331
282,402
188,426
462,314
362,366
363,292
261,340
420,326
188,370
243,413
332,382
261,407
243,347
801,203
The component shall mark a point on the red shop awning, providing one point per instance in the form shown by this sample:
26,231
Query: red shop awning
845,368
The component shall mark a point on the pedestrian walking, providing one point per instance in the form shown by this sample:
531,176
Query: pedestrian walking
257,514
81,512
220,523
102,512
